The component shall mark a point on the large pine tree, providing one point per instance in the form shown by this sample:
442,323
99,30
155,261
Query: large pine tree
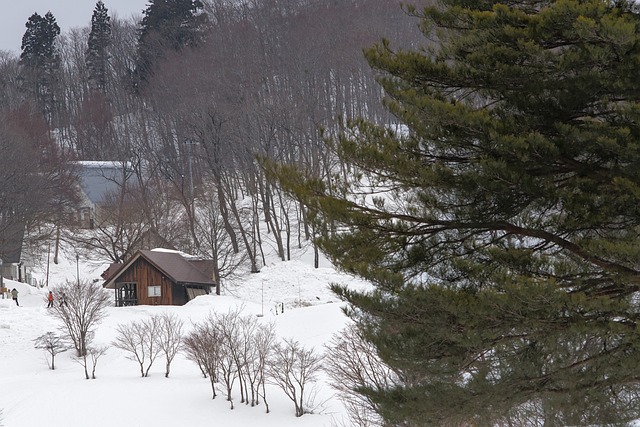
40,61
167,25
501,225
97,55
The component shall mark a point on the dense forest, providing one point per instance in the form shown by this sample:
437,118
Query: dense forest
187,101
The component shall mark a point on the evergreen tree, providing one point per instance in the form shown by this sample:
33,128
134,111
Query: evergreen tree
40,61
167,25
501,228
97,55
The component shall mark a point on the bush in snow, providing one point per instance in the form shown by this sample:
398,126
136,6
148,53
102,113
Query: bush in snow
83,309
52,344
138,338
353,365
229,347
293,368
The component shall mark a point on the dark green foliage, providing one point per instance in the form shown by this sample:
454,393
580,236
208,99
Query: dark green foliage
40,61
38,42
501,228
167,25
97,55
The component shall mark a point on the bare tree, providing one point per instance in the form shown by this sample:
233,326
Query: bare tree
230,347
119,223
195,350
10,97
245,355
353,365
84,308
216,242
203,345
254,344
228,329
91,356
32,197
292,368
52,344
263,341
169,338
138,338
96,353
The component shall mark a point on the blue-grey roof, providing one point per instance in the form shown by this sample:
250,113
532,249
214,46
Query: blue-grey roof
99,179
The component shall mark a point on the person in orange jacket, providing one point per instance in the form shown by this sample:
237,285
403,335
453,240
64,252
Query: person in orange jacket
50,299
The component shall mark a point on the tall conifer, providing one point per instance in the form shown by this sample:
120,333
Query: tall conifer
40,61
97,55
167,25
501,227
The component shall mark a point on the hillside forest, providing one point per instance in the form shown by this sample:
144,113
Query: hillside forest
186,102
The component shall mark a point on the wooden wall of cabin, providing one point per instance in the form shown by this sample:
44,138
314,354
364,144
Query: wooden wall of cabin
144,275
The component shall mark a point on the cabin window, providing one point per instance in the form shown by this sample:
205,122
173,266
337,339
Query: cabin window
154,291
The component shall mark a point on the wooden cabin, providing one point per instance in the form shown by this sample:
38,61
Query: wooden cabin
158,278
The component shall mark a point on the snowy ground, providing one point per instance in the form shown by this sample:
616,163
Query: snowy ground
33,395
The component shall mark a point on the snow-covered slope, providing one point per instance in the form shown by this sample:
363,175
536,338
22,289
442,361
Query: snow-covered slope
33,395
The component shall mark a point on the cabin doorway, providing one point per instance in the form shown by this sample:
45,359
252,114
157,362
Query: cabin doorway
126,294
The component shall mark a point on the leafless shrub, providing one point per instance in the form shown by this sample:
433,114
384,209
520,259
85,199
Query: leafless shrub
203,345
228,329
91,356
262,342
229,347
195,348
96,353
292,368
253,344
353,365
138,338
84,308
52,344
169,338
245,354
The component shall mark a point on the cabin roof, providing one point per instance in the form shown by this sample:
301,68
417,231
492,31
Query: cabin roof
172,264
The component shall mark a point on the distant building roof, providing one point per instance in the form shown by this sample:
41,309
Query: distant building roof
100,179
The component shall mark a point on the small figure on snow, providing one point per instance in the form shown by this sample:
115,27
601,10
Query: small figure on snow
62,299
14,295
50,299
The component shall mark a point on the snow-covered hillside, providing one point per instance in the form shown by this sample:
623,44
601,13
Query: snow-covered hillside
33,395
